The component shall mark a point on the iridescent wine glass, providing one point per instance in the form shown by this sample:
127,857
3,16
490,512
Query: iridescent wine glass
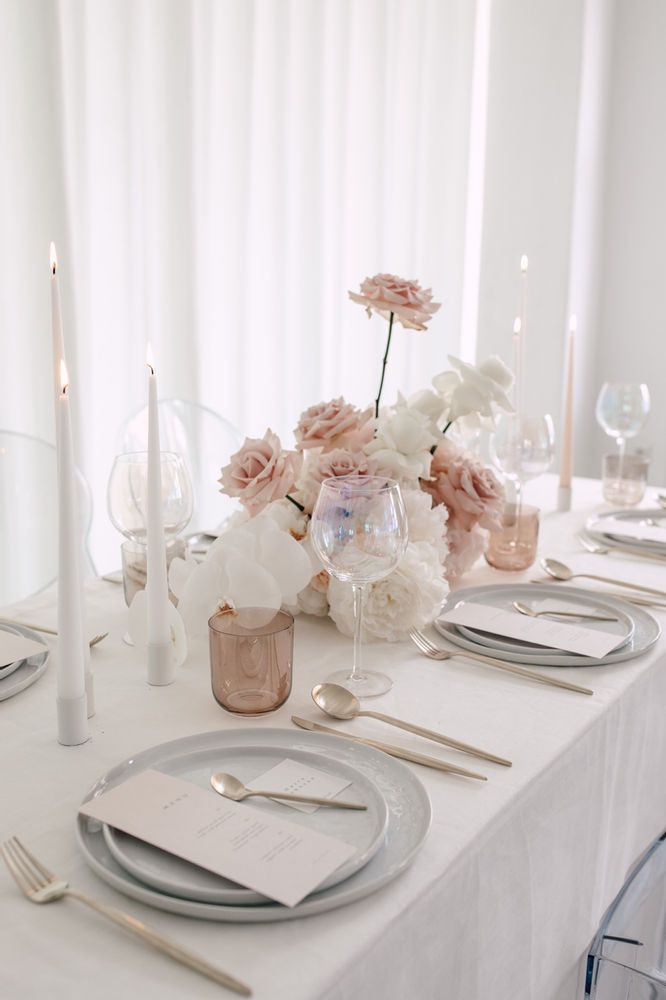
359,531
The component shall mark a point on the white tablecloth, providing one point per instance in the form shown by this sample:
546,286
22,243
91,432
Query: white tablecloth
502,901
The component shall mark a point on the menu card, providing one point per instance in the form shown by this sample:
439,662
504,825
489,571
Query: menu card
257,849
577,638
629,529
15,647
296,778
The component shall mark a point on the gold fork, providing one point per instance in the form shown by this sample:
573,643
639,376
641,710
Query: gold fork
42,886
434,652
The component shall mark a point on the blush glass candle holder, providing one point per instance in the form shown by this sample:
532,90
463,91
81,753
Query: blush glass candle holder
251,658
514,546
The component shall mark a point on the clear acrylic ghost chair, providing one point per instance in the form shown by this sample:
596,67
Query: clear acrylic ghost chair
29,516
204,439
627,960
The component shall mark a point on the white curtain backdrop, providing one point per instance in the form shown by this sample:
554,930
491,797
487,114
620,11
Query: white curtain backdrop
215,175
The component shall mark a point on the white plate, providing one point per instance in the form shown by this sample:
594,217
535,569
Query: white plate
409,817
177,877
634,546
646,629
23,673
624,627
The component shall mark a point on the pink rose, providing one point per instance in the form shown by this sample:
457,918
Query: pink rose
385,294
331,465
470,491
333,425
260,472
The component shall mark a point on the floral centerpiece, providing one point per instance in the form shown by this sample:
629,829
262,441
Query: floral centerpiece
264,558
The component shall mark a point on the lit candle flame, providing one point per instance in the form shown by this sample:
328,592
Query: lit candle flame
64,377
517,325
149,358
523,263
53,258
573,324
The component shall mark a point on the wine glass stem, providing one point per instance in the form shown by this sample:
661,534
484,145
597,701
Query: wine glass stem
621,444
357,591
519,500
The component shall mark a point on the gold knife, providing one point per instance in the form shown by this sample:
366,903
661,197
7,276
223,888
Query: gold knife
393,751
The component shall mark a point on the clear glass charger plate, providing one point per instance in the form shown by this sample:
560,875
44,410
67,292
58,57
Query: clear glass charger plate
173,875
409,818
526,594
17,676
646,629
625,543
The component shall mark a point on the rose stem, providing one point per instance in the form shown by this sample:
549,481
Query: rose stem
447,427
295,503
381,381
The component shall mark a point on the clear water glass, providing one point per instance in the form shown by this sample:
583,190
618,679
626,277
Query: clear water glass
359,531
523,447
622,409
127,494
623,479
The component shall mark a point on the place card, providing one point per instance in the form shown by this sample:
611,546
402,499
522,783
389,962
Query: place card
250,846
629,529
15,647
539,631
295,778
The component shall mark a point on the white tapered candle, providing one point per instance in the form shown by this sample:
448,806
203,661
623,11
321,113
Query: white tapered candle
161,664
566,455
70,677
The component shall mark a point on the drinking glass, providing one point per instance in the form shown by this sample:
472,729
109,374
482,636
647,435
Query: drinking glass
127,494
624,478
622,409
523,448
359,531
514,545
251,657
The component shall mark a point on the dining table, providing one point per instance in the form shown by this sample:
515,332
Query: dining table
514,877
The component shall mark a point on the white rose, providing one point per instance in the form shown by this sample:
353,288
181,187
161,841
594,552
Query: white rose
401,447
425,522
313,602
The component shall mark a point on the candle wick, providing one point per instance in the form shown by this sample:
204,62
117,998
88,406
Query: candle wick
152,370
65,388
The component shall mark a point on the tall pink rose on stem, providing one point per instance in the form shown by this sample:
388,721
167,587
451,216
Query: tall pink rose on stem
395,298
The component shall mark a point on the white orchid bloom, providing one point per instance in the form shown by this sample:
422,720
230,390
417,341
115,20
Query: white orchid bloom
475,391
254,566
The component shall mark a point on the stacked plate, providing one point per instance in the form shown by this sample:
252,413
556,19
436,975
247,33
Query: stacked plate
20,674
386,836
643,530
636,630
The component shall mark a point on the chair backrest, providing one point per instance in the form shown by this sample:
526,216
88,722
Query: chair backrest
628,955
204,439
29,516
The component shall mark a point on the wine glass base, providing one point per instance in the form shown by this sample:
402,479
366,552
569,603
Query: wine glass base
368,685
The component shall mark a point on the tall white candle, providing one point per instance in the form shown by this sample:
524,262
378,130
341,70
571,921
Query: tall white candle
70,678
522,330
161,663
58,357
566,454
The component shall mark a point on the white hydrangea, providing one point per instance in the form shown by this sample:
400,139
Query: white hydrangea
411,597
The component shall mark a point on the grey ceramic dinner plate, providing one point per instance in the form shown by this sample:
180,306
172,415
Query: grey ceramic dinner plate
409,817
623,627
625,543
177,877
17,676
646,629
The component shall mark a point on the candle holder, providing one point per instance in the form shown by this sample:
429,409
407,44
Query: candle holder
251,657
514,546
